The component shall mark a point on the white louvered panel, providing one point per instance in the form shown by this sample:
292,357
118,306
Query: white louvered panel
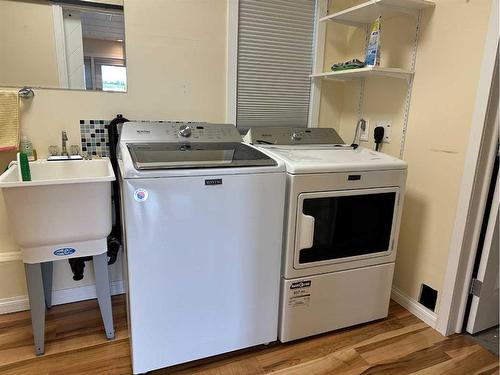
275,47
100,25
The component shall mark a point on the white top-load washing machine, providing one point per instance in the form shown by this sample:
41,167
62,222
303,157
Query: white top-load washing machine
342,215
203,221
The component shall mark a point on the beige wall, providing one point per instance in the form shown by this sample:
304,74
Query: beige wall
447,70
176,70
176,57
27,45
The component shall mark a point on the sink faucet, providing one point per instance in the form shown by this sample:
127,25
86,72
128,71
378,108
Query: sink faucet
64,151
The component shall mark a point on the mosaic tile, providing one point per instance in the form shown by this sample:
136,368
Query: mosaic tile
94,137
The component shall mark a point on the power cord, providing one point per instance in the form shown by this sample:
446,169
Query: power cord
378,134
360,126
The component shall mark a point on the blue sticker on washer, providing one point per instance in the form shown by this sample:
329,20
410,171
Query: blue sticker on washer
140,195
65,251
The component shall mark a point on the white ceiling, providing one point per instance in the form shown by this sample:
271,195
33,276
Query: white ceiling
99,25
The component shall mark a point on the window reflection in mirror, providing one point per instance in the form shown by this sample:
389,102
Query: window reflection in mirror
63,44
114,78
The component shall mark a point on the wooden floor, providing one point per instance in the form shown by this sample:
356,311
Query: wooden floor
400,344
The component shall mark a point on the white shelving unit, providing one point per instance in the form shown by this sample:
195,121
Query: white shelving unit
346,75
366,13
362,16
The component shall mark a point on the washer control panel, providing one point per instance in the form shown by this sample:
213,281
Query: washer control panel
292,136
179,132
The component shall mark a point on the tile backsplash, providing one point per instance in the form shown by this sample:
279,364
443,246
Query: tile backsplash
94,137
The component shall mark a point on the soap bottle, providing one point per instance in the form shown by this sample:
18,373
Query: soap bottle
27,147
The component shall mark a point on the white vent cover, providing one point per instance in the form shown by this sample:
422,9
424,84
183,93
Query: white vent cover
275,57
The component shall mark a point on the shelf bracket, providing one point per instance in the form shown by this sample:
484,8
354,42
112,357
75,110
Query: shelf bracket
361,103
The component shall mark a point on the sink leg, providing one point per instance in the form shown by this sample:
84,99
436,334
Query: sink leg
103,292
37,304
47,268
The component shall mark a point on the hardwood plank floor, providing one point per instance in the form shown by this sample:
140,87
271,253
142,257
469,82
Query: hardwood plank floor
400,344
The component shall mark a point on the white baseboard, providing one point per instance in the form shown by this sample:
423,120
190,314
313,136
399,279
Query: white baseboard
59,297
10,256
421,312
83,293
62,296
14,304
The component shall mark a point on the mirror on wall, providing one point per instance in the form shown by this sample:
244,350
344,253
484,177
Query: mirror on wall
66,44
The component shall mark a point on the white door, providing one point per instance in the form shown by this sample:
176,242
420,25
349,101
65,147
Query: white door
484,308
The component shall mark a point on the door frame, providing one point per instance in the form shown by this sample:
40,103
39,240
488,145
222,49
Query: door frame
470,207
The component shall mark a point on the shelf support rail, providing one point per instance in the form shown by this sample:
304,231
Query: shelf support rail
406,114
361,102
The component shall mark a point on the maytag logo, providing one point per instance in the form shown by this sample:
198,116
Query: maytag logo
143,131
213,181
65,251
301,284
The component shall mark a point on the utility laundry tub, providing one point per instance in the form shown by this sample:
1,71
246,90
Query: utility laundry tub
64,212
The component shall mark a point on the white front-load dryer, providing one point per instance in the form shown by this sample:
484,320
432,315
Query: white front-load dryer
342,215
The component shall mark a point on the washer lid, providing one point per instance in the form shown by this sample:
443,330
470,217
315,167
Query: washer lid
324,160
147,156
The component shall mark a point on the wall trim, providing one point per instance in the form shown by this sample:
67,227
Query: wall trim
10,256
232,60
59,297
427,316
318,61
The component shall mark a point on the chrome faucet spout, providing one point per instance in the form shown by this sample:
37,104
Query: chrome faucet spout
64,151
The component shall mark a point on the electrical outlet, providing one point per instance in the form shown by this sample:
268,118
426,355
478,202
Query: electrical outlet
387,129
365,134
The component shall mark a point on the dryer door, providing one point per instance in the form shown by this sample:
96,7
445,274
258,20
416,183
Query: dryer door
343,226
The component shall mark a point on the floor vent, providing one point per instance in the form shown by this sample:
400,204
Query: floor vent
428,297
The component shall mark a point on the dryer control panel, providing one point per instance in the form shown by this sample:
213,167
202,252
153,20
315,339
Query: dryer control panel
178,132
292,136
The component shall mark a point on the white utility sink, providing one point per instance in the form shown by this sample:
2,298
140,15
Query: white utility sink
64,212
